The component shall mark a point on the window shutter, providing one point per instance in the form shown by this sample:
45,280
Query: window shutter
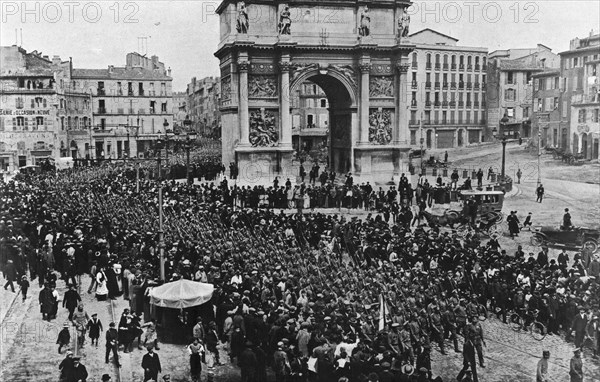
14,121
26,122
32,103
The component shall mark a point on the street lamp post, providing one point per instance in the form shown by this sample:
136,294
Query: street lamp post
161,243
539,179
421,140
188,146
502,137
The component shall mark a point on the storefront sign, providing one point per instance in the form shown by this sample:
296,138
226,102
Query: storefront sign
24,112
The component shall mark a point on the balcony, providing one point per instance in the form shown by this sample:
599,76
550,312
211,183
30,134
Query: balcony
484,67
437,84
427,103
483,104
452,85
461,67
141,93
483,121
444,85
468,103
438,66
477,67
461,85
437,104
445,104
413,103
428,66
101,92
452,66
445,67
414,65
414,84
469,85
152,111
483,85
130,111
461,104
476,103
130,93
413,122
427,85
476,85
452,103
101,110
469,67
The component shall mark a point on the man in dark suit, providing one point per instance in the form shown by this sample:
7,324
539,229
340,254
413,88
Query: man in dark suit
112,337
151,365
578,326
10,274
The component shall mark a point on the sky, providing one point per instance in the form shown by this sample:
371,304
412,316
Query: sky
185,34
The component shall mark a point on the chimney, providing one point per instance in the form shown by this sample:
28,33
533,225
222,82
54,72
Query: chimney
56,60
169,72
46,57
111,68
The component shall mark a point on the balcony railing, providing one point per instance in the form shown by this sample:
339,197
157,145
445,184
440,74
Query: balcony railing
468,103
469,85
427,103
413,103
438,66
427,85
414,84
437,84
415,65
476,103
130,92
141,93
444,85
101,110
477,67
461,85
428,66
476,85
452,85
484,67
461,67
445,66
437,104
413,122
483,121
483,104
469,67
445,104
461,104
452,66
152,111
452,103
101,92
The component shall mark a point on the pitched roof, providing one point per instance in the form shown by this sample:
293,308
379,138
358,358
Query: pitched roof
121,73
433,31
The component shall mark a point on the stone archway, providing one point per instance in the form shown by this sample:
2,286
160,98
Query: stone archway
360,65
343,113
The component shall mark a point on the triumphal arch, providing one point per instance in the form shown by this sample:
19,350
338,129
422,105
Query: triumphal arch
355,50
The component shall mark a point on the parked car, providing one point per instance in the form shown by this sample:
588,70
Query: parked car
577,237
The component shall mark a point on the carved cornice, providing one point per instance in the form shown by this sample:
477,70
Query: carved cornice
285,66
402,68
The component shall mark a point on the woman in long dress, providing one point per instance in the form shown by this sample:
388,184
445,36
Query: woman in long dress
101,289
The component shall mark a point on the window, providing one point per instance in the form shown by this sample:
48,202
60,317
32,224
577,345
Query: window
20,121
565,109
19,103
141,88
130,88
323,103
119,89
539,104
413,137
555,103
509,94
152,107
100,88
596,115
549,103
575,61
62,123
526,112
39,121
556,79
582,115
509,77
510,112
527,78
151,88
163,88
468,118
163,107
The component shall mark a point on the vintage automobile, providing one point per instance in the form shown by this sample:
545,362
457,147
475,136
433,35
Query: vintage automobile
577,237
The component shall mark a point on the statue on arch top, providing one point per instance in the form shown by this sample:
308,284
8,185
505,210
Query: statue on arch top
403,24
242,18
365,23
285,21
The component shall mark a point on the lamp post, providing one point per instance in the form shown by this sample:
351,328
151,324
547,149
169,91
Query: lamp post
539,179
161,244
422,140
188,146
502,137
165,125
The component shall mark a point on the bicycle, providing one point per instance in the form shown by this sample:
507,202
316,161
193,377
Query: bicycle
535,328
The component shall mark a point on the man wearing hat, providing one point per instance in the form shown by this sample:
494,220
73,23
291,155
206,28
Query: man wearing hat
64,337
567,224
247,361
65,366
576,366
112,337
280,363
78,372
151,365
578,326
106,378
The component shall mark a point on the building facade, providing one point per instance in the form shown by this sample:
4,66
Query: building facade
132,105
203,105
41,114
180,111
447,91
546,120
310,117
579,106
510,87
